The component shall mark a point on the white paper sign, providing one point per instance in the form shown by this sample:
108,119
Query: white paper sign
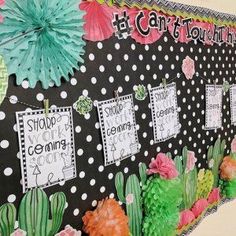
118,128
165,115
46,147
214,95
233,104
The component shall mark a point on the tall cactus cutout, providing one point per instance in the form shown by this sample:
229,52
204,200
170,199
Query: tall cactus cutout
34,213
7,219
132,198
188,179
215,156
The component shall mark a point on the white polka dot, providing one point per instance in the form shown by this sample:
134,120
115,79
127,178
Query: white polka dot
94,203
13,99
78,129
109,57
80,152
40,97
83,69
91,160
8,171
101,68
84,196
25,84
2,115
63,94
102,189
110,176
99,45
76,212
101,168
91,57
92,182
103,91
89,138
82,174
73,81
93,80
4,144
73,189
11,198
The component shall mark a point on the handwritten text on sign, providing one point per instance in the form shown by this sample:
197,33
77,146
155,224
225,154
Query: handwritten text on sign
214,97
118,128
165,115
233,104
46,147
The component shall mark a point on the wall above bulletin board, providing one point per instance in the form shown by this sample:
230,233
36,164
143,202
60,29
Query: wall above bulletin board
114,105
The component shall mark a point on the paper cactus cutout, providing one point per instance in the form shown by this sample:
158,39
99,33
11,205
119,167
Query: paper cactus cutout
7,219
132,190
226,86
188,179
140,92
19,232
204,184
215,156
34,213
188,67
83,105
48,35
3,80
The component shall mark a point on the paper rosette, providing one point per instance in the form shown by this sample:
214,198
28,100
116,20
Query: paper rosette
3,80
154,34
98,20
41,40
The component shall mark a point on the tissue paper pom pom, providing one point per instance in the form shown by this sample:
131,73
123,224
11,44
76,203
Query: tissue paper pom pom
47,43
191,160
214,196
69,231
154,34
186,217
233,146
108,219
228,168
188,67
98,20
229,188
199,206
164,166
19,232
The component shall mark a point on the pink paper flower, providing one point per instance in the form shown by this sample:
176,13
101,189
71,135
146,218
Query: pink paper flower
69,231
199,206
191,160
214,196
233,145
19,232
129,199
164,166
2,2
186,217
188,67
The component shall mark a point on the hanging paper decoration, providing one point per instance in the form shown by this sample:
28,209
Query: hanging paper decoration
188,67
226,86
83,105
107,219
3,80
147,37
42,40
140,92
98,20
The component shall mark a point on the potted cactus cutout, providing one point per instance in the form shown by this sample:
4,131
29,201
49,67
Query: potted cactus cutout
132,198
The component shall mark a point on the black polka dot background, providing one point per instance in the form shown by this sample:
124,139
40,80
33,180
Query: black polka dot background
110,65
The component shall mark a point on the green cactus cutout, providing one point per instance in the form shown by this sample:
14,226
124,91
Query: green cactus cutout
34,213
140,92
133,191
205,183
83,105
7,219
226,86
215,156
3,79
188,180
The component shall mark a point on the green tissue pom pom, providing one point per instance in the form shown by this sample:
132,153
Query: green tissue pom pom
230,188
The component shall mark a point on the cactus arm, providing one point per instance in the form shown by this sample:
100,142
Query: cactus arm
216,150
179,164
210,153
57,210
143,173
222,147
7,219
119,184
169,155
134,210
184,156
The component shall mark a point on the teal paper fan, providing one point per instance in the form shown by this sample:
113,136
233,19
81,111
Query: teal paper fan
41,40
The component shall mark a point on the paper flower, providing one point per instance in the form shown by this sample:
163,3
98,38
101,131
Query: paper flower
3,80
129,199
83,105
140,92
19,232
191,160
164,166
154,34
45,40
98,20
199,206
186,217
214,196
228,168
108,219
2,2
233,146
188,67
69,231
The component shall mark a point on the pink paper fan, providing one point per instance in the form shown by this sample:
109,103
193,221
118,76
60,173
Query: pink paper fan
98,20
154,34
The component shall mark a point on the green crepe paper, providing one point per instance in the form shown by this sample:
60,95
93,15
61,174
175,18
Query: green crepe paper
52,43
3,80
161,200
229,188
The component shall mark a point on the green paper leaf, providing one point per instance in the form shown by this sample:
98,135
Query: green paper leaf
47,40
3,80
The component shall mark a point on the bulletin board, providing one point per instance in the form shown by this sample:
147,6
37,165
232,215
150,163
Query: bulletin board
111,65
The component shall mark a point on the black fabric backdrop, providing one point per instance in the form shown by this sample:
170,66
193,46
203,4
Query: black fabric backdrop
161,59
